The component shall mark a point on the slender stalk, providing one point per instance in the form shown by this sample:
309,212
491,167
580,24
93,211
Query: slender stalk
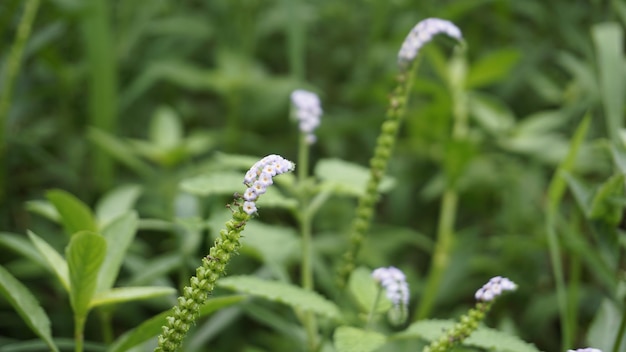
295,39
306,273
12,68
370,316
79,328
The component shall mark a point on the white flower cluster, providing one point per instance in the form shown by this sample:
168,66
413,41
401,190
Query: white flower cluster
588,349
308,111
394,282
422,33
494,288
259,177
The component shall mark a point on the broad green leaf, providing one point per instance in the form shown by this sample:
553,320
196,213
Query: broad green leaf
118,234
75,215
485,338
291,295
347,178
605,326
603,205
55,261
349,339
21,245
619,157
26,306
271,243
85,254
582,193
216,183
542,123
165,129
117,202
365,290
153,326
125,294
608,39
493,67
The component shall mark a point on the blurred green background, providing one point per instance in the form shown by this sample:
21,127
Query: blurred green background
150,93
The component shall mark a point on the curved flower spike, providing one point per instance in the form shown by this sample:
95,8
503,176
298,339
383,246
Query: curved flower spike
308,111
494,288
422,33
588,349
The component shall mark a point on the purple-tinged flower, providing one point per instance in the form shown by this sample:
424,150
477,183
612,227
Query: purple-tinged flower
494,288
259,177
307,110
422,33
588,349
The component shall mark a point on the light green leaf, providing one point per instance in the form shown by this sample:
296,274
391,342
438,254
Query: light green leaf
608,39
117,202
605,327
118,234
492,114
365,290
75,215
165,129
347,178
120,150
290,295
21,245
216,183
349,339
26,306
55,261
152,327
277,244
125,294
582,194
483,337
492,67
84,254
45,209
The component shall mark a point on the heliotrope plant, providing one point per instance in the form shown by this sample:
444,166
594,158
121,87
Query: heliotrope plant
183,315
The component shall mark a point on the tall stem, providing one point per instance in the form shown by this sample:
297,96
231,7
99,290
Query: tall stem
449,202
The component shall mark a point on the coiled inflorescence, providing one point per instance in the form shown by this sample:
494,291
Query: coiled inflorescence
307,110
588,349
422,33
260,176
393,281
494,288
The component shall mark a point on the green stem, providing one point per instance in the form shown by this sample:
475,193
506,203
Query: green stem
295,39
449,204
12,68
378,166
306,273
79,328
370,316
103,82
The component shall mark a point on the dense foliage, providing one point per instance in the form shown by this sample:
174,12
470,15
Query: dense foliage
142,117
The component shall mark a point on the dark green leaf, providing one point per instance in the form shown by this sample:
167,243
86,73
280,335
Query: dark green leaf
75,215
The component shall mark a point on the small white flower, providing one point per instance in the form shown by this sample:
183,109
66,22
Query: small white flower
394,283
422,33
588,349
259,187
249,207
494,288
266,178
308,111
250,194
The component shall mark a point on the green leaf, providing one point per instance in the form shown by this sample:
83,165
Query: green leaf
85,254
347,178
125,294
604,205
485,338
608,39
55,261
22,246
26,306
117,202
153,326
165,129
605,327
75,215
349,339
582,193
45,209
291,295
277,244
365,290
118,234
492,114
120,150
216,183
492,68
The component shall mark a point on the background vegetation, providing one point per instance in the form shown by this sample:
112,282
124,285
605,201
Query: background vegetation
145,95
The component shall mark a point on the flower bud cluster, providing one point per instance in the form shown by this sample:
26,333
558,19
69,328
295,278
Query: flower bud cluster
394,282
308,111
494,288
260,176
588,349
422,33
